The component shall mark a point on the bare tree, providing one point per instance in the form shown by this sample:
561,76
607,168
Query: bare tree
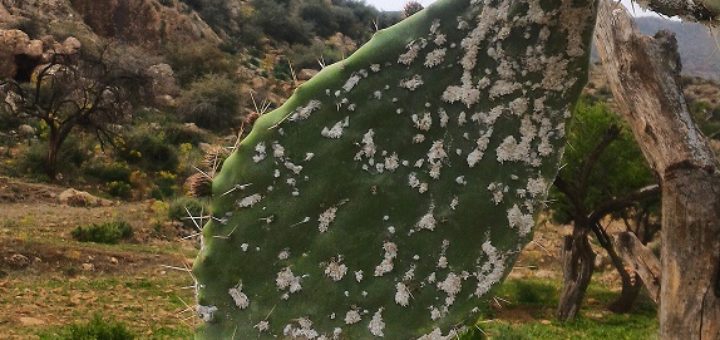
412,7
644,75
93,90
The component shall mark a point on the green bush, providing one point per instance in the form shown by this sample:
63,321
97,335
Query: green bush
109,233
177,134
307,56
177,210
109,172
212,102
195,60
148,149
119,189
95,329
166,185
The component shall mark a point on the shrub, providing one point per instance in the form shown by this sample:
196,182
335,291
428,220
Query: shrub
166,185
211,102
119,189
177,210
148,149
109,172
95,329
177,134
109,233
193,61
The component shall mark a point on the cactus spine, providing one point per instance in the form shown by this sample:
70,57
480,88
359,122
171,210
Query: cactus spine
394,190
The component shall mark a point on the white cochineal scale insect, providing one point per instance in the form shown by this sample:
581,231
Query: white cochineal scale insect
394,190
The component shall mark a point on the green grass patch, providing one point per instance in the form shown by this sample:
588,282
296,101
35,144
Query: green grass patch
95,329
109,233
529,308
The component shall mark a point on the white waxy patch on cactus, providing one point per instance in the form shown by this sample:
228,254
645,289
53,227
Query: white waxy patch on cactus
296,169
520,221
351,82
444,118
402,294
409,56
387,264
461,180
412,83
478,153
305,331
278,150
250,201
326,218
498,191
304,112
555,73
262,326
519,106
462,118
413,181
435,314
352,317
358,276
335,132
422,123
427,221
368,146
435,57
537,186
451,286
392,162
287,280
454,203
244,247
336,270
419,138
206,313
241,300
377,325
260,151
491,271
436,334
375,68
284,255
442,262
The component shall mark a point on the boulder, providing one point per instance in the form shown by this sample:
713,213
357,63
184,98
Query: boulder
76,198
18,261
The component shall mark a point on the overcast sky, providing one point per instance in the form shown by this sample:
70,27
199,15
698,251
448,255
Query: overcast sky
396,5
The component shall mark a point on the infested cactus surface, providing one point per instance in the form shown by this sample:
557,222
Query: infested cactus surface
395,189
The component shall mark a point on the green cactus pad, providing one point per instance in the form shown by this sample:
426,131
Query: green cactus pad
395,189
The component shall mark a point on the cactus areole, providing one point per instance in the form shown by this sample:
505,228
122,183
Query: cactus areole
396,188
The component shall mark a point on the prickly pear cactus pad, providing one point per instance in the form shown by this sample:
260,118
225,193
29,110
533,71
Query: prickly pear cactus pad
394,190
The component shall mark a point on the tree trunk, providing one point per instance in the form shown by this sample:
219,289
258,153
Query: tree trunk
643,73
54,144
578,262
628,296
642,260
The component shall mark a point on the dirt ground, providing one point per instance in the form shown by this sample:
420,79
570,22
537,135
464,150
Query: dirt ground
47,279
